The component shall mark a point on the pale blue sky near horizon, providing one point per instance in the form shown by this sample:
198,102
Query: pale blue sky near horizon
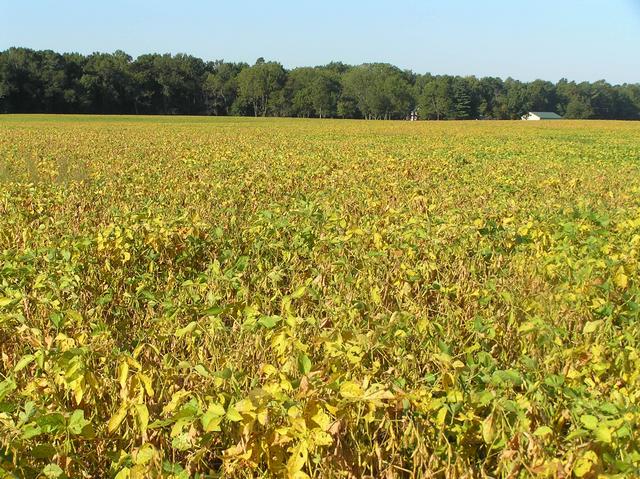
523,39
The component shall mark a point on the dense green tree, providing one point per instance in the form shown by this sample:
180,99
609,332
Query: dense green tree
45,81
20,81
221,87
180,78
578,108
574,99
148,97
298,91
488,91
337,68
436,98
462,99
259,84
515,102
107,83
630,101
74,66
380,91
541,96
53,78
312,92
347,107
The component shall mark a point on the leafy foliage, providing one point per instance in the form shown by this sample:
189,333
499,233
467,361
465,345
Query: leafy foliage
279,298
34,81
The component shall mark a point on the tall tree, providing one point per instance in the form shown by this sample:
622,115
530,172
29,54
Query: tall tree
514,102
436,98
20,83
325,90
148,93
542,96
312,92
221,87
107,83
259,84
630,101
380,91
462,99
574,99
45,81
180,78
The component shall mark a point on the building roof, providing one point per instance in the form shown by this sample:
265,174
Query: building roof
546,115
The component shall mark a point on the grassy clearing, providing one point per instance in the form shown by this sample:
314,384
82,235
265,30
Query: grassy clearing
205,297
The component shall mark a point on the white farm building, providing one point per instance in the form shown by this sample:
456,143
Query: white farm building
541,115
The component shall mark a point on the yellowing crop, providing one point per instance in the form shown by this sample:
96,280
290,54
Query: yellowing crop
194,297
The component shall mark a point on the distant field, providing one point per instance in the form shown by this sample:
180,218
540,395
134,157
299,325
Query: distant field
237,297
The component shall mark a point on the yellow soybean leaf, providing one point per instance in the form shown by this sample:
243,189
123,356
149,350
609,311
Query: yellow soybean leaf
457,364
269,370
142,414
543,431
591,326
377,240
211,424
584,465
238,452
146,382
299,293
125,473
263,417
245,406
621,280
589,421
78,390
188,329
322,419
144,454
4,301
488,430
75,316
442,415
350,390
216,409
233,415
321,438
123,374
376,394
294,412
603,434
176,399
117,418
213,417
133,363
375,295
296,462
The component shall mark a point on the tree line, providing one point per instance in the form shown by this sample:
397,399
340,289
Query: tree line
33,81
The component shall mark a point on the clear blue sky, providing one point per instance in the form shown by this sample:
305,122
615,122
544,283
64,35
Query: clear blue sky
524,39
